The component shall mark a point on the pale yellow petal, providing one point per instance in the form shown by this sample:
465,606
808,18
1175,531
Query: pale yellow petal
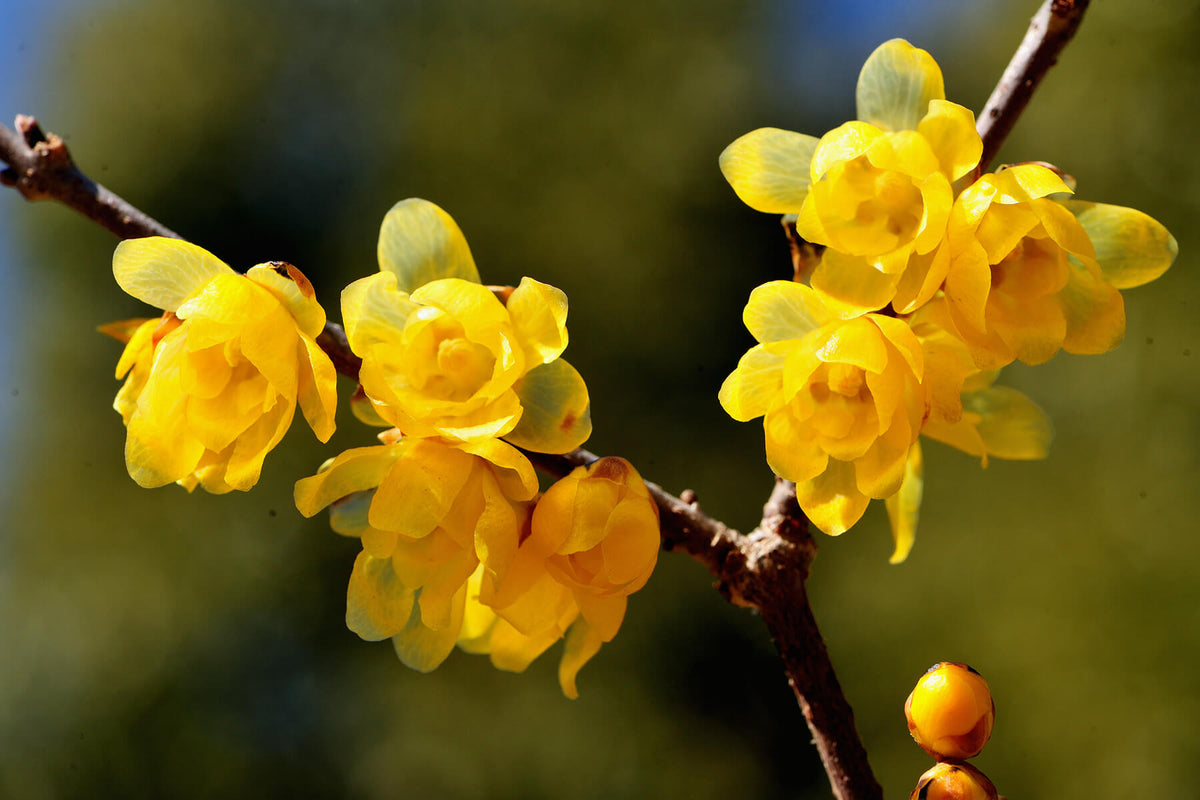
780,310
950,130
539,315
423,648
903,507
164,272
769,169
556,413
896,85
419,243
289,285
351,471
378,605
832,500
1131,247
752,387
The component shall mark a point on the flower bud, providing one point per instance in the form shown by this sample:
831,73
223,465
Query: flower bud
945,781
950,712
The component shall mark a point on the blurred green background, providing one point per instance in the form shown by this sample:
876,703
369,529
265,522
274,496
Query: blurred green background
156,644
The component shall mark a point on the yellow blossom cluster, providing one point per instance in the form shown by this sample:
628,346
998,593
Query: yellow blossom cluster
931,278
211,386
458,547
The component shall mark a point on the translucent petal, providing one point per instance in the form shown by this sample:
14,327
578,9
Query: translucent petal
351,471
856,342
900,335
251,447
419,490
423,648
378,605
513,470
832,500
769,169
316,389
850,285
164,272
556,414
792,452
997,421
950,130
419,243
752,387
513,651
539,315
1026,182
880,471
780,310
294,291
374,310
1132,248
473,305
582,643
896,84
845,142
903,507
1094,312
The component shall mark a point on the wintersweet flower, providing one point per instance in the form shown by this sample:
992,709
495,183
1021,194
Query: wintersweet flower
423,509
841,399
443,356
593,541
1030,276
877,192
212,386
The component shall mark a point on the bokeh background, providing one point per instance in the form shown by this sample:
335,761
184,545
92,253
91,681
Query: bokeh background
156,644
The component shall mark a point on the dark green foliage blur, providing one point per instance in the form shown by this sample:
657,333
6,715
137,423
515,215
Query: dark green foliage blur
156,644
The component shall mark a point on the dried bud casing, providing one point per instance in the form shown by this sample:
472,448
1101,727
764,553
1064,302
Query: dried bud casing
947,781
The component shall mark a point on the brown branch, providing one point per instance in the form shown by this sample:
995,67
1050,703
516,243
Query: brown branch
765,570
41,168
1049,31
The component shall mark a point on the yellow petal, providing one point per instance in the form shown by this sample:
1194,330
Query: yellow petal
1132,248
856,342
751,388
539,315
845,142
903,507
850,285
419,243
832,500
289,285
419,490
512,469
351,471
1094,311
792,452
769,169
164,272
896,84
316,389
556,415
423,648
582,643
513,651
378,605
780,310
950,130
374,310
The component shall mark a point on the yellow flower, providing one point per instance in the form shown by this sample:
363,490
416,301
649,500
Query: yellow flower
842,399
424,509
442,356
593,541
877,192
213,385
1029,276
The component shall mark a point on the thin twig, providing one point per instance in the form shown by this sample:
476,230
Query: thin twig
1049,31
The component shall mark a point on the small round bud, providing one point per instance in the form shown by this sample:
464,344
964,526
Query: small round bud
950,712
947,781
